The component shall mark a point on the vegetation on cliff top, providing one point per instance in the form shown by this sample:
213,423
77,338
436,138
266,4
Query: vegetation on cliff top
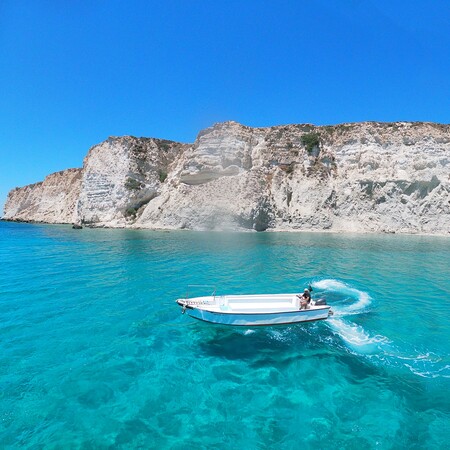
310,141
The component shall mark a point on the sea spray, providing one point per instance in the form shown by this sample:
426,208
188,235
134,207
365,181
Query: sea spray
377,347
357,338
360,300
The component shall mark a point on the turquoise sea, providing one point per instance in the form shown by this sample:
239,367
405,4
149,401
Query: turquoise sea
96,354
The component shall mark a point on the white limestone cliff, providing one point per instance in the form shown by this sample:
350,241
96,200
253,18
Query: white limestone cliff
53,200
363,177
120,176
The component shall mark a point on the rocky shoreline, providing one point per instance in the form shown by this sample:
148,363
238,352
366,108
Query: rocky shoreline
218,230
361,177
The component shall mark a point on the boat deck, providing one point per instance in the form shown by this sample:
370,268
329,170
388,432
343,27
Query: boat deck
276,303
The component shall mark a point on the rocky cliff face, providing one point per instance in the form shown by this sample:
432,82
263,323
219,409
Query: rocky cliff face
121,176
53,200
380,177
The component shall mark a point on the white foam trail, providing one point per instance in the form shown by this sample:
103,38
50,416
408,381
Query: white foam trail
280,335
428,365
443,372
357,338
353,335
376,347
380,348
362,298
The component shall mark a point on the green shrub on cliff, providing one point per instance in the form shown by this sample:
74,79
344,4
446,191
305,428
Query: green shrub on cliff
162,175
310,141
130,212
133,184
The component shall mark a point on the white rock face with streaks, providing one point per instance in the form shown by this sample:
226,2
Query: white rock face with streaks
50,201
120,175
364,177
361,177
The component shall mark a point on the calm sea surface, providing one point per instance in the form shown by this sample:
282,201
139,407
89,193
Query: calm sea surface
94,353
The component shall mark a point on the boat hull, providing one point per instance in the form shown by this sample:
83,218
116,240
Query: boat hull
258,319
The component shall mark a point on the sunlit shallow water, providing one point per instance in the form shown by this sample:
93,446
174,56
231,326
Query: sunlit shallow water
96,354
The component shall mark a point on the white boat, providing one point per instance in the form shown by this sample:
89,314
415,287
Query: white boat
253,310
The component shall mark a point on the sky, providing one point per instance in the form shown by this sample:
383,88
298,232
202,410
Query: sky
73,73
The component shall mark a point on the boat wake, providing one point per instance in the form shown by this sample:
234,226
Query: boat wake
357,338
380,350
347,301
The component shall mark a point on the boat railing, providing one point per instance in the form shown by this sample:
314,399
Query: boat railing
190,287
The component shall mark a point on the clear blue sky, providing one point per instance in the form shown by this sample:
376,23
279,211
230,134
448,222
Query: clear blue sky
73,73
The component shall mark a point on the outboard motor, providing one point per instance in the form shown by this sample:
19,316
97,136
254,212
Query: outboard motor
320,302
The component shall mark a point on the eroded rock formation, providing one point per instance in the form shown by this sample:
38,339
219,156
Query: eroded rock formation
379,177
53,200
122,175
